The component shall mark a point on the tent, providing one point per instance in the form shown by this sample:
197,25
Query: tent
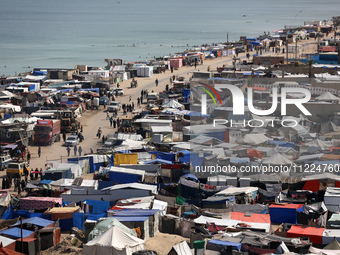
254,139
332,248
332,199
314,234
114,241
253,217
327,97
172,103
181,249
277,159
106,224
286,213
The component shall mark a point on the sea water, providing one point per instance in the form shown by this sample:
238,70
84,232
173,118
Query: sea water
64,33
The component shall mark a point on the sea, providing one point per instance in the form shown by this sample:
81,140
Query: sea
65,33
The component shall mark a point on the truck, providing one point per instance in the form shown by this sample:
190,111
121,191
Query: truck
46,132
69,122
5,159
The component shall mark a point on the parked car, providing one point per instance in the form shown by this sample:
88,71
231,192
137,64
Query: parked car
72,140
103,100
120,91
114,106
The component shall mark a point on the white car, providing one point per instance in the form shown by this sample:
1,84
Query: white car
72,140
119,92
114,106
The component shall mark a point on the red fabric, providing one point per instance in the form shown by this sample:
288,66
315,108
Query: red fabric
337,184
39,203
287,206
258,88
312,185
314,234
254,153
255,217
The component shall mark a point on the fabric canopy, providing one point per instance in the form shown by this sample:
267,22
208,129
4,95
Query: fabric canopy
114,241
277,159
314,234
328,97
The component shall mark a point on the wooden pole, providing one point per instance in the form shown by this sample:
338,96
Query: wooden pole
22,241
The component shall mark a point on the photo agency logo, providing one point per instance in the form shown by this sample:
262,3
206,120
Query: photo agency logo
238,102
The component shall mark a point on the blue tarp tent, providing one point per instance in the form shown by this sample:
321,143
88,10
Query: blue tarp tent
123,178
186,95
186,156
16,232
91,216
164,155
98,206
282,144
284,213
35,221
78,220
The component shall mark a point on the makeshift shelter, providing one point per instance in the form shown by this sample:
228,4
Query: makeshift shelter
314,234
285,213
120,175
181,249
334,221
39,203
15,233
328,97
332,248
106,224
35,221
277,159
250,217
332,199
255,139
329,235
114,241
141,222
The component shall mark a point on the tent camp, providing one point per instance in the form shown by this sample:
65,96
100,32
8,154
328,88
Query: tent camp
286,213
332,248
114,241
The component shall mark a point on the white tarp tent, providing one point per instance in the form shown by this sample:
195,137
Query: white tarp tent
327,97
115,242
172,103
332,199
277,159
254,139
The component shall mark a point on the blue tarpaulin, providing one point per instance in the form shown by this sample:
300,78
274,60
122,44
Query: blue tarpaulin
225,243
66,224
131,219
185,156
123,178
186,95
16,232
282,144
95,217
35,221
164,155
284,214
98,206
46,182
105,184
158,161
78,220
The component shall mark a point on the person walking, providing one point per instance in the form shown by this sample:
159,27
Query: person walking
80,150
68,151
28,157
156,81
114,123
64,136
75,149
111,121
138,101
39,151
129,98
99,132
